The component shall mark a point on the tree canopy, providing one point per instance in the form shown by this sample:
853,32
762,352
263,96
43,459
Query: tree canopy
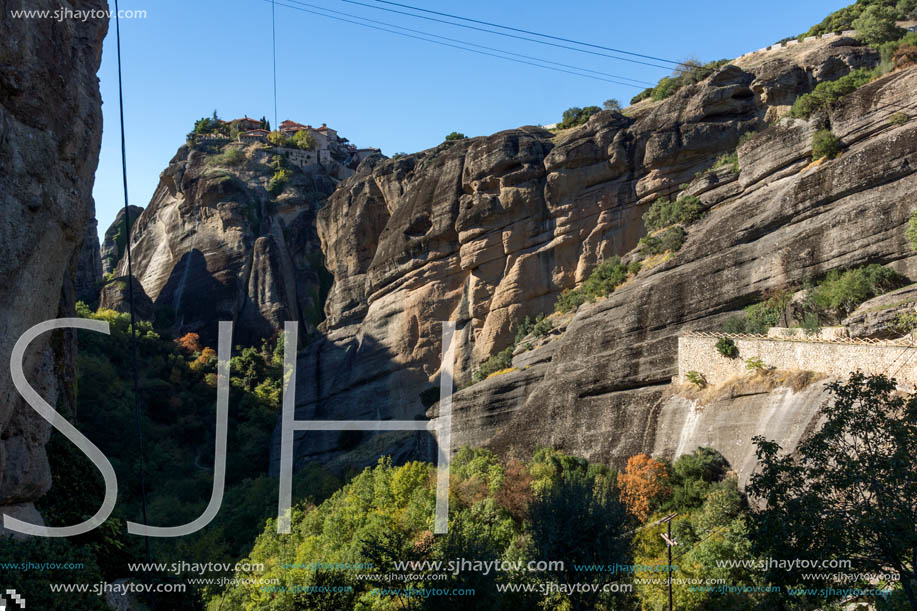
850,490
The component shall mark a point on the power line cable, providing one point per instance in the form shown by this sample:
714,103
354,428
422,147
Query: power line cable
617,76
535,40
274,54
130,295
506,27
297,8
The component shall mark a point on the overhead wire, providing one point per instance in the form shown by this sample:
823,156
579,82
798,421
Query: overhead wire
505,27
535,40
464,42
438,42
130,295
472,44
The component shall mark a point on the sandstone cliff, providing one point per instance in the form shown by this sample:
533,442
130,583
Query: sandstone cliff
112,247
600,389
214,245
487,230
50,131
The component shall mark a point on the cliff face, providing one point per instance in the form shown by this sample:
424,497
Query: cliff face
89,266
214,245
599,389
488,230
50,131
113,242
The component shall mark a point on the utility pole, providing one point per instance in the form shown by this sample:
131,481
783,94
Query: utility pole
669,544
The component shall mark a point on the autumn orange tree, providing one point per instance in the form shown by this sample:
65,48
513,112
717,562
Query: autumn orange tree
643,482
189,343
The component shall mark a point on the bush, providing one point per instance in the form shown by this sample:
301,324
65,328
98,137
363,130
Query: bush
760,317
670,240
842,292
539,327
497,362
877,25
844,19
603,280
569,300
888,50
730,160
734,324
755,364
278,181
911,232
230,157
577,116
688,73
828,92
304,140
727,348
825,144
663,212
696,378
455,136
898,119
612,104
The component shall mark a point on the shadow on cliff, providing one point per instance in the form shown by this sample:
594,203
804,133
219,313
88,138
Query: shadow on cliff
195,300
357,380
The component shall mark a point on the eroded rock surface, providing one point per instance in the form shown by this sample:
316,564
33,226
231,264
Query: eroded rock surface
214,245
50,132
487,230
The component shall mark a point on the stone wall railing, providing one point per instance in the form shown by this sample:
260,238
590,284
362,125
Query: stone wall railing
794,42
832,357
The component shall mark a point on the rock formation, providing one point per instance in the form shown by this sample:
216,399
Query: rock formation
113,242
89,266
487,230
50,131
601,389
214,244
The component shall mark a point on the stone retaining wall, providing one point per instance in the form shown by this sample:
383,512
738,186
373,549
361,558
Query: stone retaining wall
793,42
835,358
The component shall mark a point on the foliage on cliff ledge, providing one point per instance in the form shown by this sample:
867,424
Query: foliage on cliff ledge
843,19
607,276
838,294
664,212
828,92
575,115
503,360
689,72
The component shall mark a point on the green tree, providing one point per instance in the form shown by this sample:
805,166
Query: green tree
277,139
877,25
455,136
825,144
575,115
612,104
577,516
304,140
849,490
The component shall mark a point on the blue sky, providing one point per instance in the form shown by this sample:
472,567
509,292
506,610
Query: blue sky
186,59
